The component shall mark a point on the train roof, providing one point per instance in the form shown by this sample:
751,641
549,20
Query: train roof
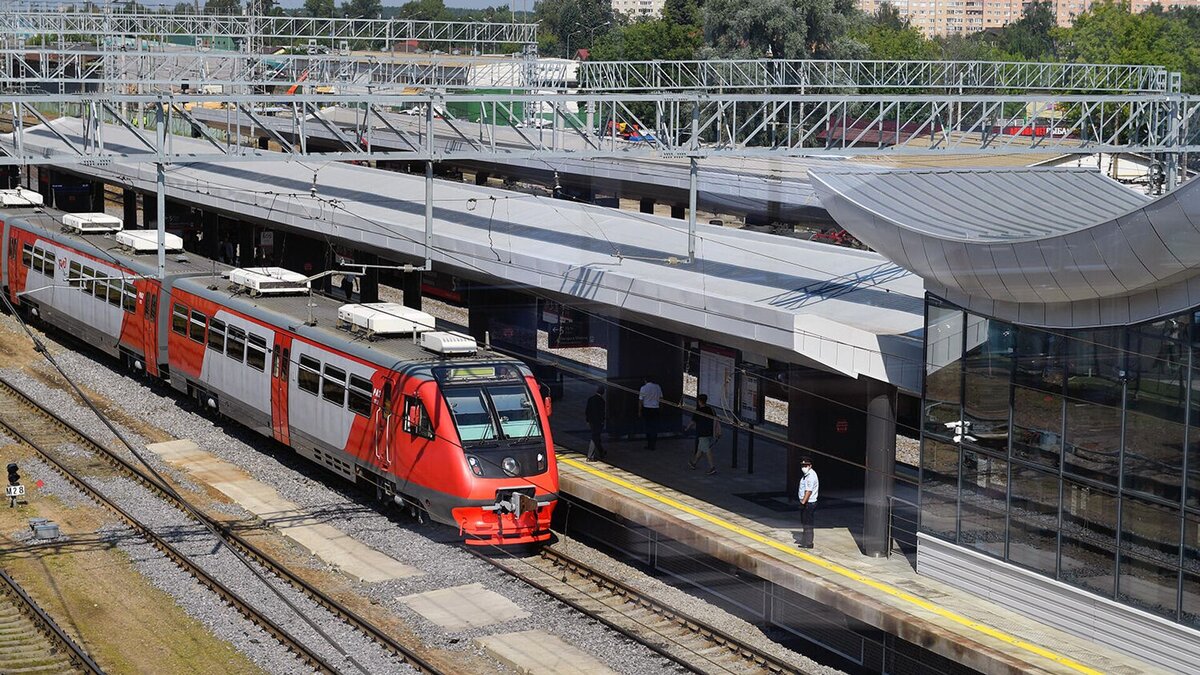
104,246
293,313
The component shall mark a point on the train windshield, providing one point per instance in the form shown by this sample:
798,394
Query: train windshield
490,413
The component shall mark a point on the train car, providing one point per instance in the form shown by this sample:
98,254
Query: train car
371,392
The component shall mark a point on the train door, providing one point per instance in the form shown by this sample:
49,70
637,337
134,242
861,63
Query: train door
281,367
150,328
385,424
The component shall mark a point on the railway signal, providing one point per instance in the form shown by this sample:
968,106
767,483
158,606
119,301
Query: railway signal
14,489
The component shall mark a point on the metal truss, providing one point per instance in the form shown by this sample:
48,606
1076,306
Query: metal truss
113,25
812,76
50,69
437,127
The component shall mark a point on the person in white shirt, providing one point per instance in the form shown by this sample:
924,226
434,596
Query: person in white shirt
649,400
809,487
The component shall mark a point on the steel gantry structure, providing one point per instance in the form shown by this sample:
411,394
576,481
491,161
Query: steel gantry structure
113,24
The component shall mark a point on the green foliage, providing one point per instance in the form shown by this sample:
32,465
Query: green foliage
570,24
787,29
682,12
649,40
225,7
362,9
1109,33
889,36
1032,37
319,8
424,10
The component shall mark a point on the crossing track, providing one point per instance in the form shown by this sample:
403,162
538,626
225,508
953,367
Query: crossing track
686,640
31,642
43,430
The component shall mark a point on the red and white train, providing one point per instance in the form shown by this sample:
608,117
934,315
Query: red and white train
369,392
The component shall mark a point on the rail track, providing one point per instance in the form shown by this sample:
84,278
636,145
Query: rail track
686,640
44,430
31,642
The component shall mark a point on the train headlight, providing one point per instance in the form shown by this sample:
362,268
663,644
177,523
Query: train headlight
474,463
541,461
511,466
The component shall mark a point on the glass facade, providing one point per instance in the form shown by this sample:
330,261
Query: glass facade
1072,453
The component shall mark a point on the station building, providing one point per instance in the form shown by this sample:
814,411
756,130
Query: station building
1060,454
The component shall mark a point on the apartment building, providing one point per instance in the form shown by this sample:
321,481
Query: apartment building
950,17
639,8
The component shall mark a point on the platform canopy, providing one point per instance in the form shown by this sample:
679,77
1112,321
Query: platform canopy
1036,246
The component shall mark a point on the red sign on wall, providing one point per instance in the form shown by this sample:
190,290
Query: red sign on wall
841,426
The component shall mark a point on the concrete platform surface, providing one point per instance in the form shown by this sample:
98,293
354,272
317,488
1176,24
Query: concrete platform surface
535,652
324,541
463,607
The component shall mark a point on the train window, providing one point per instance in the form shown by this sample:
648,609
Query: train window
129,300
416,418
359,397
114,292
75,274
309,376
88,275
333,385
518,416
48,263
235,344
37,259
27,255
196,327
285,364
274,363
256,353
179,320
471,414
216,335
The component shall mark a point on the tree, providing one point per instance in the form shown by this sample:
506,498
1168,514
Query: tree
682,12
224,7
649,40
319,8
1110,33
889,36
572,22
362,9
1031,38
781,29
424,10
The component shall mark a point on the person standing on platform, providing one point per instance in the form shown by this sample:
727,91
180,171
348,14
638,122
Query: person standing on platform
347,286
595,414
649,400
708,432
809,488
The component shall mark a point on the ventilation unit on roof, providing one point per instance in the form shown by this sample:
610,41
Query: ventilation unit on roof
268,280
92,223
146,241
20,197
449,343
383,318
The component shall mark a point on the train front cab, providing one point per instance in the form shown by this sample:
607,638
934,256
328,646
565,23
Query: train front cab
496,424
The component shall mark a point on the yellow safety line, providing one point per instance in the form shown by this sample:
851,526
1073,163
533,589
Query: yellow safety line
838,569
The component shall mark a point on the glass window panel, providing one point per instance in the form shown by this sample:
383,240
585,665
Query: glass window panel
1089,541
129,298
470,413
1191,600
518,416
359,396
939,488
256,352
308,376
27,255
1192,477
115,292
1039,359
1191,542
216,335
1153,455
1093,441
333,385
1156,398
984,502
1033,521
88,273
179,319
943,375
235,343
988,365
1148,585
74,274
1037,426
196,328
1150,530
1096,365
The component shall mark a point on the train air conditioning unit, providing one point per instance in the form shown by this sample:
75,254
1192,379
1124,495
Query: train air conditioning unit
92,223
383,319
449,343
20,197
268,281
146,241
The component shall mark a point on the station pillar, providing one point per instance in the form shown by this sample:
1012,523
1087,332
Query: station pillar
262,143
646,205
306,256
636,351
368,283
410,284
481,178
506,317
209,233
129,205
98,196
246,245
678,211
848,427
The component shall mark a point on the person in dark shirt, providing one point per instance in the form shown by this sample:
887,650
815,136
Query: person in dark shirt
708,432
595,414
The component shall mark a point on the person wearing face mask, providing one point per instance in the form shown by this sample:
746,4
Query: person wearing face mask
809,487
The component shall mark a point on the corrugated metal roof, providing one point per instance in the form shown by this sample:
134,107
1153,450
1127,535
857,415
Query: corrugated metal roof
986,205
